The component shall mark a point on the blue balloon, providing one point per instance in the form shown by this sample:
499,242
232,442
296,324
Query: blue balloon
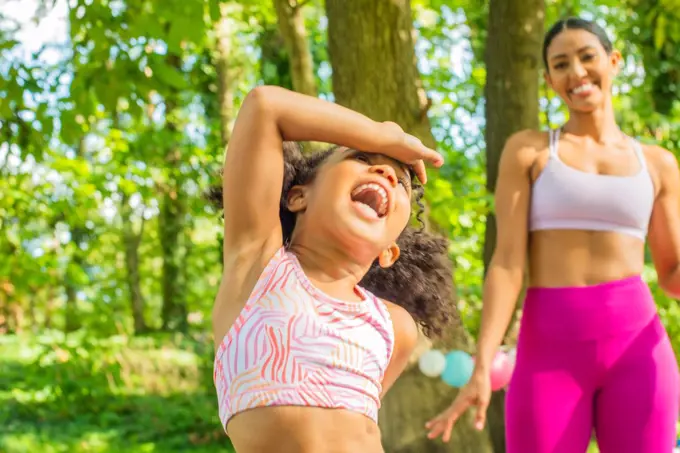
458,370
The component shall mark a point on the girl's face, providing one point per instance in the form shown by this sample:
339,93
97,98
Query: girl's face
359,199
580,70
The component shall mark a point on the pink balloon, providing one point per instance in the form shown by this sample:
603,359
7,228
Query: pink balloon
501,371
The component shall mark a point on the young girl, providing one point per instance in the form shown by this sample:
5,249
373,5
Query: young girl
579,203
324,282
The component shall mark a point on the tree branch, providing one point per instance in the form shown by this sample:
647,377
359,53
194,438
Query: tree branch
140,234
299,4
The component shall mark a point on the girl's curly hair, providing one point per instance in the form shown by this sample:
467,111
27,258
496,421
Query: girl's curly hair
420,281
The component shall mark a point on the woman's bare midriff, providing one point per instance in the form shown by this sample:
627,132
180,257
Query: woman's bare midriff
579,258
292,429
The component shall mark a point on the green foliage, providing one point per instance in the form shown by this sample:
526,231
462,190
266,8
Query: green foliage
106,150
113,395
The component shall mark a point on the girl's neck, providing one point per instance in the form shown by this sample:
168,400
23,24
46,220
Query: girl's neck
600,124
330,269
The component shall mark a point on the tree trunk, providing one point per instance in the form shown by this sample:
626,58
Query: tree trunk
4,311
173,311
16,319
292,27
78,236
131,241
31,311
49,307
70,314
513,59
171,225
227,73
371,48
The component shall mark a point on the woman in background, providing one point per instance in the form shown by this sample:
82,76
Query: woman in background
578,203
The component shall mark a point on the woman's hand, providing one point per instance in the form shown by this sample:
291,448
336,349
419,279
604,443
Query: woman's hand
476,393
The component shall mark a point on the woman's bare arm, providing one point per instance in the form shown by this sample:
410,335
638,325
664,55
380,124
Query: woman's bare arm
664,227
504,278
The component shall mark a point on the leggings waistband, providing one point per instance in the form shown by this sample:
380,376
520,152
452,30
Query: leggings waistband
589,312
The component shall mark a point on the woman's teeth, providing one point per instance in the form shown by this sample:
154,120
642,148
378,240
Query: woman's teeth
583,88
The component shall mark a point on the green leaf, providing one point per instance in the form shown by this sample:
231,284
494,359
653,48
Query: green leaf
9,44
78,167
660,32
75,275
214,8
87,190
169,76
127,186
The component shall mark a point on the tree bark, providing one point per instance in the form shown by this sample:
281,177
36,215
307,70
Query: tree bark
513,60
292,26
4,310
31,312
78,236
227,73
16,318
131,241
371,48
171,225
49,307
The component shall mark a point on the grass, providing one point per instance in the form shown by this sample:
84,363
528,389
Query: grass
117,395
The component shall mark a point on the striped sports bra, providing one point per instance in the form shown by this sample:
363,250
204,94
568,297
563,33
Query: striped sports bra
293,345
564,198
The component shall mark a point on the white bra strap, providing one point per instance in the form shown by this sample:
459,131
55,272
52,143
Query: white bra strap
637,147
554,140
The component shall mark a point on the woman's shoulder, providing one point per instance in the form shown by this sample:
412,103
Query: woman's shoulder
523,147
528,138
658,156
663,167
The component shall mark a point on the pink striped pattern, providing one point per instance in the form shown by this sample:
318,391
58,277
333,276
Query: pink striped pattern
293,345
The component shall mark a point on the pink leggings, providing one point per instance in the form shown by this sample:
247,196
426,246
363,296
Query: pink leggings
593,359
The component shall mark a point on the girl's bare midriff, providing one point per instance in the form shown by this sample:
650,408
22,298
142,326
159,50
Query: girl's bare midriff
290,429
579,258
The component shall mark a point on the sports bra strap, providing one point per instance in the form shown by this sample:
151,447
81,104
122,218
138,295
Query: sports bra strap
637,147
554,135
554,140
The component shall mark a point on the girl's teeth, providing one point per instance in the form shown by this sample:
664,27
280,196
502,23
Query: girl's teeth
378,188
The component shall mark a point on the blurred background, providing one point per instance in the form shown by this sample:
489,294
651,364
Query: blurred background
114,116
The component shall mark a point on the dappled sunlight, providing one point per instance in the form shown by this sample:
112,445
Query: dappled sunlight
114,122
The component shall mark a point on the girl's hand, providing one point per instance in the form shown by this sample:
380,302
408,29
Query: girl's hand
408,149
